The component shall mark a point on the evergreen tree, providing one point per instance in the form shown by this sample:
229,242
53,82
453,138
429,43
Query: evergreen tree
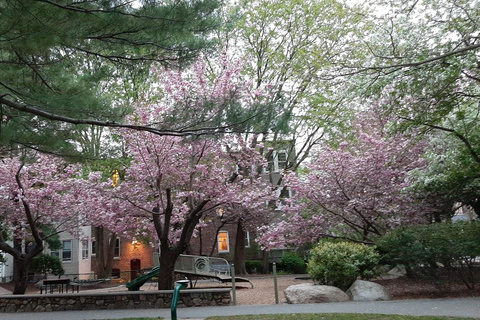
61,60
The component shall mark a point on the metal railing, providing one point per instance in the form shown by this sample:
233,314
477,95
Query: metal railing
202,265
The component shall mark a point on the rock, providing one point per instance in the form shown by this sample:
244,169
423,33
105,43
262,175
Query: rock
398,271
311,293
368,291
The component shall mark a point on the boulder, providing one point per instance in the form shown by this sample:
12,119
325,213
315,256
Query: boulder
398,271
368,291
312,293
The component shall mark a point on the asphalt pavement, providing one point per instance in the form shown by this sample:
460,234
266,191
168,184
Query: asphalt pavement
461,307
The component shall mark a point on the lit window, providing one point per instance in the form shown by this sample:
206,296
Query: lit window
223,245
67,250
84,249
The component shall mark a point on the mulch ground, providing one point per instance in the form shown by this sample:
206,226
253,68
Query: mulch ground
408,288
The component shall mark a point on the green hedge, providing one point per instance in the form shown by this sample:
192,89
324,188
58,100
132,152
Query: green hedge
438,251
292,263
253,266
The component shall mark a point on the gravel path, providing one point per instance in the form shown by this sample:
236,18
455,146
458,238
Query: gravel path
263,291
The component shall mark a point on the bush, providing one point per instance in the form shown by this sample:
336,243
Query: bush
44,264
437,252
292,263
253,266
339,264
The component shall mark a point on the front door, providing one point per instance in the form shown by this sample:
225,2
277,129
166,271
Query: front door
135,266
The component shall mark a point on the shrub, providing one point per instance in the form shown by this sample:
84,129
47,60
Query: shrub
44,264
437,252
339,264
292,263
253,266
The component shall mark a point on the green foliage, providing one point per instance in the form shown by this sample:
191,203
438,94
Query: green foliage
292,263
83,59
331,316
339,264
44,264
51,236
437,251
253,266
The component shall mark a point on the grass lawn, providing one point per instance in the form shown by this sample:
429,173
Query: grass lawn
320,316
332,316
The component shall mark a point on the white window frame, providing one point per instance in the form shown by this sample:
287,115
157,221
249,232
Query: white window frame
85,251
219,242
247,239
64,251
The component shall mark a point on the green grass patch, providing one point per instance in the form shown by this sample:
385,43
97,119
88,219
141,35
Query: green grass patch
142,318
332,316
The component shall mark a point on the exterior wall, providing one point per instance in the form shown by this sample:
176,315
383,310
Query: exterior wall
207,238
113,300
77,266
85,263
6,268
130,251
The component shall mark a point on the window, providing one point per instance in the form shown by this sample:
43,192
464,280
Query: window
67,250
116,253
223,245
84,249
277,161
247,239
55,253
94,247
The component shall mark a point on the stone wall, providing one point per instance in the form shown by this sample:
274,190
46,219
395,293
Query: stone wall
113,300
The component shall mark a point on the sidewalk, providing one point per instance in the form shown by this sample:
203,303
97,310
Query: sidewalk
462,307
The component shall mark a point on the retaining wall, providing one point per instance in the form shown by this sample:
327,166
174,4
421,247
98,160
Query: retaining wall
113,300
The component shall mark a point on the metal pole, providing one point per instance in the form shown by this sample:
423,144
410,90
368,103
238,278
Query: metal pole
180,285
275,286
234,287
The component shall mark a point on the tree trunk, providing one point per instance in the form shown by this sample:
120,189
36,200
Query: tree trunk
110,255
20,272
239,255
20,275
100,252
166,277
104,259
266,262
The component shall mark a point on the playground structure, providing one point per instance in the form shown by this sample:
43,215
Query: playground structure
193,268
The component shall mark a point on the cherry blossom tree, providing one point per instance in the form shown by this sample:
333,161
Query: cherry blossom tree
355,192
37,200
173,183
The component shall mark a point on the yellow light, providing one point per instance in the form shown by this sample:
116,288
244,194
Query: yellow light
115,177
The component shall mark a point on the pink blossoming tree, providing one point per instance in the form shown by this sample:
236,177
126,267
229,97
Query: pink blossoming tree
173,183
356,192
33,195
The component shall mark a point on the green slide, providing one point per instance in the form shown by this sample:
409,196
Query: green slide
136,283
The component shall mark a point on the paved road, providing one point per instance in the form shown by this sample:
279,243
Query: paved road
464,307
